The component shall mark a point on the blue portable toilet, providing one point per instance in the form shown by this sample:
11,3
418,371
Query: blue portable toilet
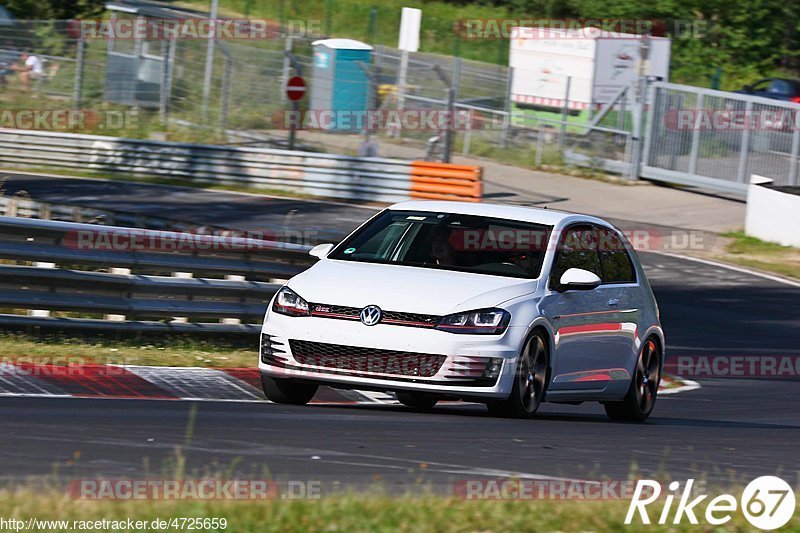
339,84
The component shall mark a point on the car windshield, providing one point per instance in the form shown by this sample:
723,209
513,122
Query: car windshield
448,241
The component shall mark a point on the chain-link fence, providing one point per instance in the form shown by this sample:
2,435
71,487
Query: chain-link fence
241,98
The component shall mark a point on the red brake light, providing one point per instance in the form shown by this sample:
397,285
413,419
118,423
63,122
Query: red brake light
796,99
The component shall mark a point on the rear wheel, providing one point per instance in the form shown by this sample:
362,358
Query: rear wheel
287,390
417,401
530,382
641,397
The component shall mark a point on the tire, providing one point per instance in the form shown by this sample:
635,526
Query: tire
641,397
416,401
287,390
530,381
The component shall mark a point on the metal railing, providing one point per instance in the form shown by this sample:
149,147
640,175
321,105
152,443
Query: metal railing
68,275
317,174
717,139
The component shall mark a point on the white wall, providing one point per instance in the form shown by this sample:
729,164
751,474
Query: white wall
772,215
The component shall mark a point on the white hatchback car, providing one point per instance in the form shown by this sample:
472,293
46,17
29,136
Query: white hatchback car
508,306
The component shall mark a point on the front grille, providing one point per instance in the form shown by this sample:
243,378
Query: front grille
396,318
353,359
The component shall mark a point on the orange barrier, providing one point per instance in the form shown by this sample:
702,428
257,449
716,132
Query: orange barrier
446,181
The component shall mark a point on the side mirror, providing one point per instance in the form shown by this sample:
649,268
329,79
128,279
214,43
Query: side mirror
321,250
578,279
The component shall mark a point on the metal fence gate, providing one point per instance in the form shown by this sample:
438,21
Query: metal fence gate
716,139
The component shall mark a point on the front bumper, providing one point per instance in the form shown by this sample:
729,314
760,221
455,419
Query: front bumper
440,362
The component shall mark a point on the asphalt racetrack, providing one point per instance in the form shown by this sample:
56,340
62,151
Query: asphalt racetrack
727,430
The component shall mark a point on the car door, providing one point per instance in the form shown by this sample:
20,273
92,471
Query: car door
621,291
577,316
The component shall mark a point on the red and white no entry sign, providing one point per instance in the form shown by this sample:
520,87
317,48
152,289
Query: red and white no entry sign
295,88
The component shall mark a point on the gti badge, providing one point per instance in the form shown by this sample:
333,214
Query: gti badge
371,315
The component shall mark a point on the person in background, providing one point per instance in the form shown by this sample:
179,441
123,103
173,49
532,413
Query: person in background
30,69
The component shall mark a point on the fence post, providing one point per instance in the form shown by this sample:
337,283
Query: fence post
163,103
509,110
641,89
564,115
209,68
287,50
451,100
401,88
77,94
651,95
793,157
741,175
226,95
695,149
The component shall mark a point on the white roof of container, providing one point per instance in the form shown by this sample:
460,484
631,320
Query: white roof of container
343,44
585,33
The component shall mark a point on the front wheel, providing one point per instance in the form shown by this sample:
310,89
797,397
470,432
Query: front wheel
530,382
641,397
289,391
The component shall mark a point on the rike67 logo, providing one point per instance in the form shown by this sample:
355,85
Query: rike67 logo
767,503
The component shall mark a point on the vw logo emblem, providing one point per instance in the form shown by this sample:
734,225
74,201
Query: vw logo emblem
371,315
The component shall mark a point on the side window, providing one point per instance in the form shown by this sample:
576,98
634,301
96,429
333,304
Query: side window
617,263
577,248
779,87
381,244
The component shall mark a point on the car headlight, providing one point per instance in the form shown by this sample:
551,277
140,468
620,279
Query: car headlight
287,302
480,322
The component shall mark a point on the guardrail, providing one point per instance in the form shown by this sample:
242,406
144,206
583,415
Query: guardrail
139,280
24,207
327,175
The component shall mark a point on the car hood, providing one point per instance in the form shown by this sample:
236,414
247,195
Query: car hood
405,289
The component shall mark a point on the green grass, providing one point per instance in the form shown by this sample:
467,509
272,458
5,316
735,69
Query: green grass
349,512
173,351
755,253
